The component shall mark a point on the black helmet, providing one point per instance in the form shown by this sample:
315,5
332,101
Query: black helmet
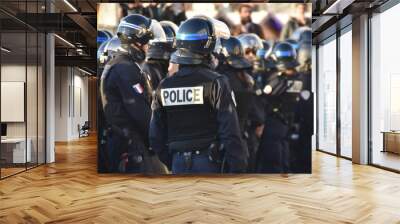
162,49
250,42
135,28
263,57
159,48
170,30
196,38
103,36
302,34
304,57
111,48
101,58
107,50
294,43
231,51
285,56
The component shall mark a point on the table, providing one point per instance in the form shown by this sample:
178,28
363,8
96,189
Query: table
391,141
13,150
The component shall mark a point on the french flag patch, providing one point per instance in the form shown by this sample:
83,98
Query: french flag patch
138,88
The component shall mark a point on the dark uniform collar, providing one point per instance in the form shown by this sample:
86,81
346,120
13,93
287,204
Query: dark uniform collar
188,69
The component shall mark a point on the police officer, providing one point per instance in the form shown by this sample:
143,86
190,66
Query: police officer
301,153
251,44
101,61
302,35
285,91
294,43
102,158
111,48
103,36
194,115
170,30
264,65
234,66
106,52
125,92
159,52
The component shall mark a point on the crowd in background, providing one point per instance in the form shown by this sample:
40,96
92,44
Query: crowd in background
268,25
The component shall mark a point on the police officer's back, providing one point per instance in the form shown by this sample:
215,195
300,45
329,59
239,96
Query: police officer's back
194,116
125,94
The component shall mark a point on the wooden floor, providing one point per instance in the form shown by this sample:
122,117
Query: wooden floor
71,191
387,159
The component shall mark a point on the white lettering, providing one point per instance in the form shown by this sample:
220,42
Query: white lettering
295,86
182,96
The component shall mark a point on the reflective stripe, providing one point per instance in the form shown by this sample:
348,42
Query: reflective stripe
284,53
193,36
101,39
133,26
261,52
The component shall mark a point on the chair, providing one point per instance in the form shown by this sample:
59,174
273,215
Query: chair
84,130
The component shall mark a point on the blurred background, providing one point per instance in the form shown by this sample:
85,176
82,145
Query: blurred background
268,20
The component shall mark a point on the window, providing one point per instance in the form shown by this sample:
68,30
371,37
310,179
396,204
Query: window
346,92
327,96
22,101
385,89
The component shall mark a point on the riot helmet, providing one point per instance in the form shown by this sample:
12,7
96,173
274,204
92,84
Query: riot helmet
135,29
196,39
111,48
302,34
231,51
170,30
304,57
158,46
250,42
263,57
294,43
101,58
285,56
103,36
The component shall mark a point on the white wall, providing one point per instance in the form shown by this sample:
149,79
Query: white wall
71,102
33,126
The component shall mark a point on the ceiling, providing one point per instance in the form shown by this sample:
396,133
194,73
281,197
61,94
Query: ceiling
331,15
72,20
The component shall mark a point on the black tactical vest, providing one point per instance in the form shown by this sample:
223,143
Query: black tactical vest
186,97
284,99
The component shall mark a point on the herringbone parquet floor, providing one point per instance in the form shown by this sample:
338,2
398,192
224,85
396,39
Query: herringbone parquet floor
71,191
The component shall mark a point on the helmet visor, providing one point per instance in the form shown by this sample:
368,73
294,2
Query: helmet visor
157,31
131,29
172,30
221,30
250,42
112,45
